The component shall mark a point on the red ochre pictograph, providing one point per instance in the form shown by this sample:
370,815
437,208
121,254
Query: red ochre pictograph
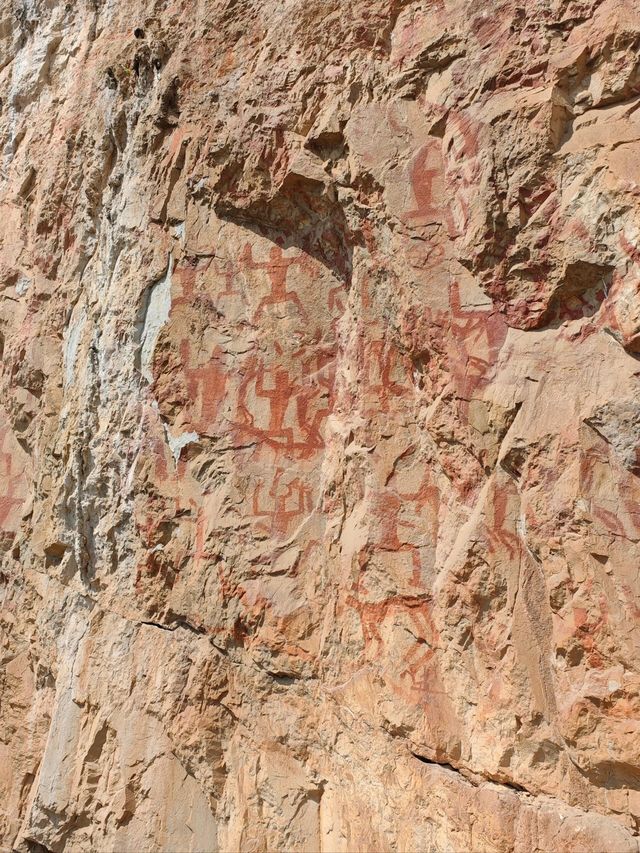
387,374
396,515
588,629
621,514
280,503
295,406
425,169
478,338
504,506
411,673
280,403
206,386
12,481
277,268
274,401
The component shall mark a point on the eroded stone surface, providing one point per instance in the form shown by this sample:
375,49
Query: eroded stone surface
319,496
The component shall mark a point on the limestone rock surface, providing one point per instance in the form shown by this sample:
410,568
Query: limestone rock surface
320,425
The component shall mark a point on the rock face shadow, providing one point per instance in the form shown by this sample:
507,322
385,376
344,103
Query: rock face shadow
301,213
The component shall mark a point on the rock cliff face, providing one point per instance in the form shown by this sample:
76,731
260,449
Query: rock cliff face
320,425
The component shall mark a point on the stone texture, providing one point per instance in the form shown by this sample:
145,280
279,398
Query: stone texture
319,426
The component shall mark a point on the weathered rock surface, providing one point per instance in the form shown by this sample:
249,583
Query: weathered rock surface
320,425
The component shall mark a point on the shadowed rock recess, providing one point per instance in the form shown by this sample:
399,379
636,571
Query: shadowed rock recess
320,426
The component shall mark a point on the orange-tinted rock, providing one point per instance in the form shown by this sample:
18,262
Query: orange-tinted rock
319,496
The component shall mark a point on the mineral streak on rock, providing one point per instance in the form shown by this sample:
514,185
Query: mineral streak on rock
320,425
